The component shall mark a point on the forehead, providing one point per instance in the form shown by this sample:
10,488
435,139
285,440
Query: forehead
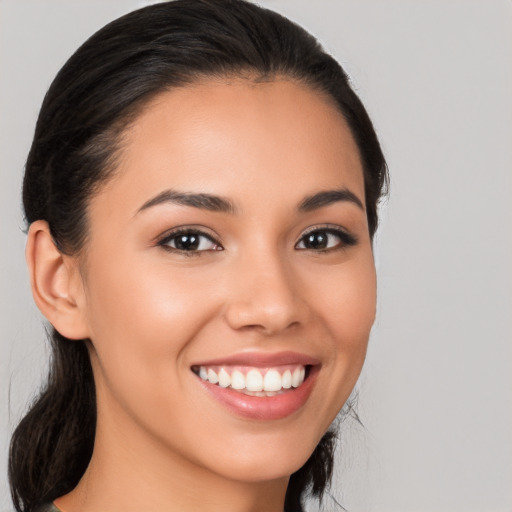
241,139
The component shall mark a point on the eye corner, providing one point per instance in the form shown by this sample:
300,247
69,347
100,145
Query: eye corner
326,232
192,243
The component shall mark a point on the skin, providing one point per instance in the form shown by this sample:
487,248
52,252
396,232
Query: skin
162,442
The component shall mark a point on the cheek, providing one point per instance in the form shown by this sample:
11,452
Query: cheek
349,302
348,312
137,293
141,316
141,327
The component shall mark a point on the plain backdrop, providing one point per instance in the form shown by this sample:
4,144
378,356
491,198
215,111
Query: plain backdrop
436,392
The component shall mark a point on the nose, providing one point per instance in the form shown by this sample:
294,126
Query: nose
265,295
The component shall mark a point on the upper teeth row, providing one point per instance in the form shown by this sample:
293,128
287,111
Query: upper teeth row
254,380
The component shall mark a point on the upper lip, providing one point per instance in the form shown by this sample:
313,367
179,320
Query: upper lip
261,360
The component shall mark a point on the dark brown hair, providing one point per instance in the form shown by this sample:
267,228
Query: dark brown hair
94,97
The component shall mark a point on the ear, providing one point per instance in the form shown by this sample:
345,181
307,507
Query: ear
56,283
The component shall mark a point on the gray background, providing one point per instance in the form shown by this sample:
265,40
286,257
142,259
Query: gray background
436,392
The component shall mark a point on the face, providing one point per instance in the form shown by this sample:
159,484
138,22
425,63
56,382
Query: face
231,245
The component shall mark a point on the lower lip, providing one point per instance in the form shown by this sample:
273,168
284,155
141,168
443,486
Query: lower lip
265,407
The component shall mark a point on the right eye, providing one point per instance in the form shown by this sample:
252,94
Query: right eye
186,240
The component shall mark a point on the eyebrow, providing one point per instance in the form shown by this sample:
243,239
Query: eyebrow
214,203
328,197
208,202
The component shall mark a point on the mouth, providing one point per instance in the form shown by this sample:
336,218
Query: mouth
254,381
258,386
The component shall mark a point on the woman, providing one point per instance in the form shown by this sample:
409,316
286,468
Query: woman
201,195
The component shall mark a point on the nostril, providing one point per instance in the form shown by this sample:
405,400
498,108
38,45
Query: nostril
265,301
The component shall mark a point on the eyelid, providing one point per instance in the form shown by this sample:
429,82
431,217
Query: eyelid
347,239
163,239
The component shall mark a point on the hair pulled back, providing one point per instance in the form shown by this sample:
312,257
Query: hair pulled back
92,100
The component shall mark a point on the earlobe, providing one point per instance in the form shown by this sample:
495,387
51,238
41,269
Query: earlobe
55,282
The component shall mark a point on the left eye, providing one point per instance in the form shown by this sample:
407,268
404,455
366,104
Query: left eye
323,239
189,241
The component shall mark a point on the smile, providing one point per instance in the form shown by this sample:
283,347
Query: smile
259,386
253,381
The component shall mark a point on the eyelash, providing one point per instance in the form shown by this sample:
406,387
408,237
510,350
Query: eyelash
346,240
164,242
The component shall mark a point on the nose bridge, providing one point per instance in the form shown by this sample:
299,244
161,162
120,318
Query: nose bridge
264,292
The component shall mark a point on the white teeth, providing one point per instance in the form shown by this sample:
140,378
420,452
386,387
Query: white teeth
237,380
295,378
287,379
254,381
224,378
272,381
212,377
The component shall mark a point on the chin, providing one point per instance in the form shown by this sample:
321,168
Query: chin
267,459
277,467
